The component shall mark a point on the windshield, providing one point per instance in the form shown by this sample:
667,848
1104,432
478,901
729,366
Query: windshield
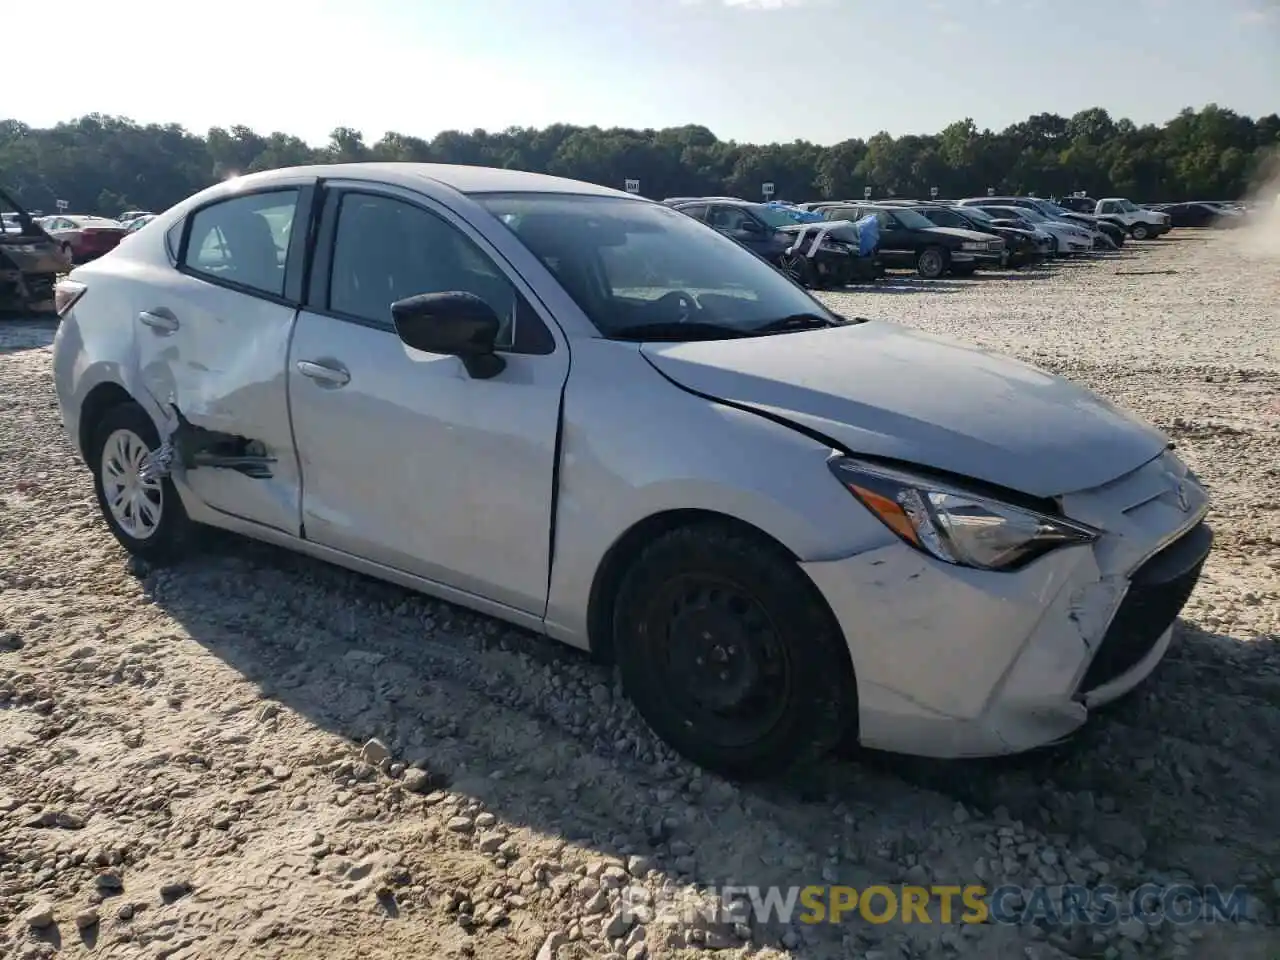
911,220
630,264
1029,213
1054,209
976,213
1127,206
774,217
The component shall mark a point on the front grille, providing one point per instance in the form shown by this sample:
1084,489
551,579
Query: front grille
1158,590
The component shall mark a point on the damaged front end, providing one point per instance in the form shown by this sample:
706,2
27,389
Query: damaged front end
30,262
191,447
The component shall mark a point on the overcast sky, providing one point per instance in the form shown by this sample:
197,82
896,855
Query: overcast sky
753,70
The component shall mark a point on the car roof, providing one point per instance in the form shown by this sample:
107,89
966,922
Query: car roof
461,177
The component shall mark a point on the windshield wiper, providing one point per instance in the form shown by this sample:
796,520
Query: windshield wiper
796,321
677,332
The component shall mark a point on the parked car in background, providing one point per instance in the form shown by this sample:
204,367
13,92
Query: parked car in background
30,261
1021,247
137,223
1104,235
784,528
130,215
1139,222
83,237
1068,238
908,240
1202,214
775,235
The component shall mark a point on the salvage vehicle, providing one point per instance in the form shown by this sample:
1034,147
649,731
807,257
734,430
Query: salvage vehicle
1104,235
1202,215
1021,246
812,259
30,261
83,237
785,527
1068,238
911,241
1139,222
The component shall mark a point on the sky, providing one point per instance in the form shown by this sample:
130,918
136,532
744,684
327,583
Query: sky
751,70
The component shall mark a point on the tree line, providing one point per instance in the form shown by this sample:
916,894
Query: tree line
106,164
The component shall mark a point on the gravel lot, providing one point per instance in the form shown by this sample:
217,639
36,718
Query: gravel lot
186,757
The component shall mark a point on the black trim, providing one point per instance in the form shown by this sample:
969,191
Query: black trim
295,261
532,338
188,220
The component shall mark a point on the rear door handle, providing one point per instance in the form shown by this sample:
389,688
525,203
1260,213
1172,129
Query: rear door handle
325,374
159,321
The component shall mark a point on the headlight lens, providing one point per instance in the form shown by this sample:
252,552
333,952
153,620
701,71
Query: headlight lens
954,525
972,245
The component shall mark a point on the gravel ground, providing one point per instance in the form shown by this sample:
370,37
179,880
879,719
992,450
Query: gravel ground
256,755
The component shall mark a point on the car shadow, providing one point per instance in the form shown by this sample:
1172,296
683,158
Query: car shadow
20,333
480,705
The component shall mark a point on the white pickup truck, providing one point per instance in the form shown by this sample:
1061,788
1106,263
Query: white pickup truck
1141,223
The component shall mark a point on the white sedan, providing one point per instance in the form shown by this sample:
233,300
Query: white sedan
590,415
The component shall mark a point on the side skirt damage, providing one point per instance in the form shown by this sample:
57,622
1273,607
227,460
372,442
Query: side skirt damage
193,447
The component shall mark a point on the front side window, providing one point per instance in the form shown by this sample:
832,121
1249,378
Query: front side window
629,265
243,240
387,249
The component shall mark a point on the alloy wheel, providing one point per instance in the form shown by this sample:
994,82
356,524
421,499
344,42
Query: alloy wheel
136,503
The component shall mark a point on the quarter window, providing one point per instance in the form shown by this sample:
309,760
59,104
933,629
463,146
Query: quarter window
244,240
386,250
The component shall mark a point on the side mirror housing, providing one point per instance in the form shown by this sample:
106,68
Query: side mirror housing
456,323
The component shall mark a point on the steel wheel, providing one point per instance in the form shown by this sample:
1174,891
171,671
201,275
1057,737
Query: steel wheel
725,665
794,266
1141,231
136,504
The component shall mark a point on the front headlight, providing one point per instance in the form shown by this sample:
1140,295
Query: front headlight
972,245
954,525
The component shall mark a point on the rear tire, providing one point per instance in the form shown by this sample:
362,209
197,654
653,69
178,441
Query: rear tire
730,653
932,262
799,268
146,517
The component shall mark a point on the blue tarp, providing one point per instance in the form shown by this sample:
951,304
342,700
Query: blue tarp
868,235
800,216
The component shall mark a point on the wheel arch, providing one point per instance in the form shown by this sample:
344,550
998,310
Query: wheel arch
96,403
619,557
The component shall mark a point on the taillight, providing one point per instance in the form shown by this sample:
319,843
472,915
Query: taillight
66,294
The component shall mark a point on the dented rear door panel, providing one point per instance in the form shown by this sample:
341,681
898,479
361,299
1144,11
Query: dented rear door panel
223,371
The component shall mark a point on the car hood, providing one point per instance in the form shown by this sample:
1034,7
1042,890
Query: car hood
962,233
879,389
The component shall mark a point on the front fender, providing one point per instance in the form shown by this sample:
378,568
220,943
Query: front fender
634,445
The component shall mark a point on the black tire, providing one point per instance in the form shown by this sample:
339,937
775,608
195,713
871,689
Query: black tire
932,262
712,582
1140,231
799,268
172,534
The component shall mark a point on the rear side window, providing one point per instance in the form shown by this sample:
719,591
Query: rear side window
243,240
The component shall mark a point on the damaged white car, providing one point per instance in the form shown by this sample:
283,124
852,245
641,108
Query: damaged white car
590,415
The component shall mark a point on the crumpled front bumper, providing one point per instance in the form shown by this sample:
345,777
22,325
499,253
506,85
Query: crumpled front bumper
952,662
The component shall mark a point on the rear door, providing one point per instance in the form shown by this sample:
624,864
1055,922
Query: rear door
407,460
213,345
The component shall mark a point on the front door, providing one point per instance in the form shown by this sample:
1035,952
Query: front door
213,343
406,459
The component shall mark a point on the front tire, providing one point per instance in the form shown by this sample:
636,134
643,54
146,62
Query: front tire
1140,231
146,516
932,263
730,653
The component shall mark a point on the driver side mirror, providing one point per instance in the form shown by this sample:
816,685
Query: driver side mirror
456,323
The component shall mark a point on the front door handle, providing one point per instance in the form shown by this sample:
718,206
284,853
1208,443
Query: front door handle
159,321
325,374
